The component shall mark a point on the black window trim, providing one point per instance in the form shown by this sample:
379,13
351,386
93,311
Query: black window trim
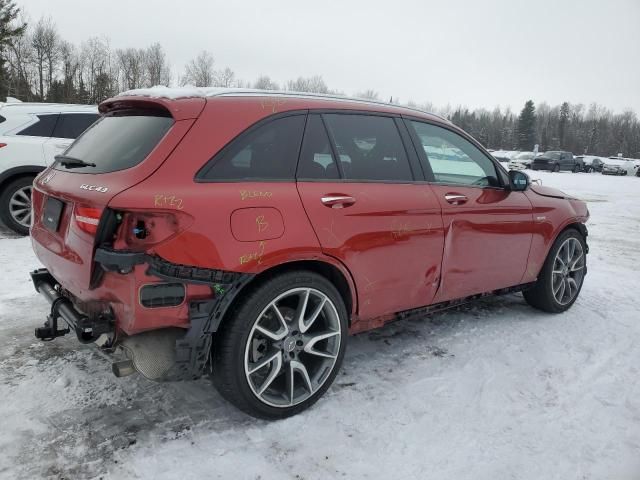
59,119
500,171
201,174
396,117
22,128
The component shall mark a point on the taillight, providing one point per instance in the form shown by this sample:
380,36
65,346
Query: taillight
87,219
3,145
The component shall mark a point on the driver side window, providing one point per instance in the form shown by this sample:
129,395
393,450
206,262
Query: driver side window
453,159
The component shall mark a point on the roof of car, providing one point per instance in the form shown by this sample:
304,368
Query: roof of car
31,107
208,92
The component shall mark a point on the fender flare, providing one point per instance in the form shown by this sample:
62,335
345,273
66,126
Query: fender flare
11,173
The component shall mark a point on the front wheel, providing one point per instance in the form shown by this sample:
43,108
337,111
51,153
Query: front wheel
556,168
281,347
562,274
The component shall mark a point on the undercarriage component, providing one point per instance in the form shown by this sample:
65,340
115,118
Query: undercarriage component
87,328
153,353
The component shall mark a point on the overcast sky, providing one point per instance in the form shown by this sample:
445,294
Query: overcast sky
478,53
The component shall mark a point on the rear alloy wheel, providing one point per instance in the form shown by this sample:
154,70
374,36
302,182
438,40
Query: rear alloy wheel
15,205
576,169
556,168
282,347
562,274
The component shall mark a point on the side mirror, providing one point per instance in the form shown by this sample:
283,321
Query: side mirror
518,181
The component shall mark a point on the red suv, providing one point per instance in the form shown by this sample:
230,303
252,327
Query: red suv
246,235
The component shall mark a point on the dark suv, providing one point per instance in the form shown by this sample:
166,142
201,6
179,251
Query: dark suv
245,235
555,161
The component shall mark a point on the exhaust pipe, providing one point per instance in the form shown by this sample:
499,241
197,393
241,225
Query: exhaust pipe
123,368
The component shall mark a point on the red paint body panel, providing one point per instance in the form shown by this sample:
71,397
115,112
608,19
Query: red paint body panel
390,239
398,246
487,240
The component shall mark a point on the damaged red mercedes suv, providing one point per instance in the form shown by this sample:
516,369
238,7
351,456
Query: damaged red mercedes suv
246,234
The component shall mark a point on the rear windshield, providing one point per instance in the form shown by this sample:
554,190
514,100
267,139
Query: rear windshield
117,142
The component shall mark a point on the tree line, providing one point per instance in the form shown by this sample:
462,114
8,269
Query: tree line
38,64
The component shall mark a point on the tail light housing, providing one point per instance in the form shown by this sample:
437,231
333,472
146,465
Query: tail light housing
142,230
87,218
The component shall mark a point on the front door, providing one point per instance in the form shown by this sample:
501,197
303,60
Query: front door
368,212
487,228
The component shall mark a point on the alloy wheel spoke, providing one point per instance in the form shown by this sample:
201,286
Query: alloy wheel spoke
302,309
299,367
18,202
282,332
304,326
272,374
311,343
253,368
560,294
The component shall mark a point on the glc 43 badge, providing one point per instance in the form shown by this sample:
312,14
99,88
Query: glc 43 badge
94,188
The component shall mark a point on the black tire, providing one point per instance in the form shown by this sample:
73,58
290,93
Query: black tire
576,169
8,191
541,296
556,168
231,340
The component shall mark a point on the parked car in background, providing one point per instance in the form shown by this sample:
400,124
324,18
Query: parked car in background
521,161
218,237
619,166
31,135
556,161
591,163
504,156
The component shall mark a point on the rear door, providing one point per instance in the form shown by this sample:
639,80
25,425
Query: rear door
487,229
358,186
68,127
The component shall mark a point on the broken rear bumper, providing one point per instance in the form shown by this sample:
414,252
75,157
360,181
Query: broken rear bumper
88,328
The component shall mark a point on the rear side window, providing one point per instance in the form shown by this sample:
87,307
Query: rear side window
118,142
369,147
71,125
42,128
316,158
268,152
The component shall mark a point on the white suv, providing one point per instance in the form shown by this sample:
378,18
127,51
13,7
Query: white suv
31,135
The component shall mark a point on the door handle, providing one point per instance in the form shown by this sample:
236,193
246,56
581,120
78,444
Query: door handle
338,201
455,199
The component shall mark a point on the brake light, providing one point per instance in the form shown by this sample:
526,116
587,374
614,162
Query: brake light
87,219
3,145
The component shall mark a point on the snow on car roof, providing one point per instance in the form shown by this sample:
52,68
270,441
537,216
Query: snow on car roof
175,93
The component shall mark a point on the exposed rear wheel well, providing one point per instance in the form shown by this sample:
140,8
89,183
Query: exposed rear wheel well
327,270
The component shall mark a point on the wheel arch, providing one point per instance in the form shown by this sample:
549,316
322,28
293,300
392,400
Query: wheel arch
17,172
336,273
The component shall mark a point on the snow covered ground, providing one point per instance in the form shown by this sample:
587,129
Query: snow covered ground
490,391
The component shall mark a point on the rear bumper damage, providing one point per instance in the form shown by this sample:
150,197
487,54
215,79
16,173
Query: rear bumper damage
185,353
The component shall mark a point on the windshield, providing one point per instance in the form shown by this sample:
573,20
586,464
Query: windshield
117,142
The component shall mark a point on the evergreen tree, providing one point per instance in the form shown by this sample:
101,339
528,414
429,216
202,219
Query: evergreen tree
527,127
562,124
8,31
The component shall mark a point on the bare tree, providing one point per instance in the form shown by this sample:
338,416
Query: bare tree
225,78
44,41
368,94
313,84
199,71
131,62
156,69
265,83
